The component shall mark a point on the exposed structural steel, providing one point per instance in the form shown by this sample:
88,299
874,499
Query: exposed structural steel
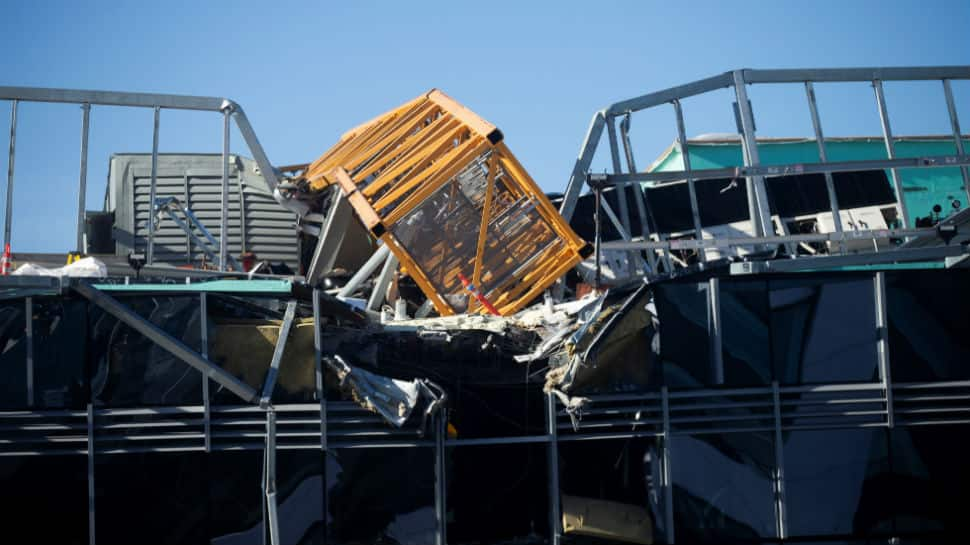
752,171
171,206
157,102
438,186
167,342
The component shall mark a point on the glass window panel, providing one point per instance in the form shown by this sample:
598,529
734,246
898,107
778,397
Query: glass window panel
151,498
929,332
823,329
835,483
745,342
498,494
723,487
235,497
13,355
380,496
683,312
620,476
131,370
932,478
45,499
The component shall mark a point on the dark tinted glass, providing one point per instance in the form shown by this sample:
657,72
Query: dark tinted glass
44,500
723,487
151,498
931,479
380,496
745,341
683,311
823,329
929,325
835,483
497,494
13,355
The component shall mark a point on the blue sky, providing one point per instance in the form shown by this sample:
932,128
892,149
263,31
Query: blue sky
305,72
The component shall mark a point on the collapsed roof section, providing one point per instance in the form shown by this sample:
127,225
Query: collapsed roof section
438,186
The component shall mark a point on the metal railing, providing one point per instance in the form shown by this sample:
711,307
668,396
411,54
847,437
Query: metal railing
157,102
753,171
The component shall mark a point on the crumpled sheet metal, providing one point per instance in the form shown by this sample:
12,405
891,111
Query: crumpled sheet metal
602,339
393,399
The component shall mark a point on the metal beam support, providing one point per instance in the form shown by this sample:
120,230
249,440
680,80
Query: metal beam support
331,236
552,452
638,193
665,460
91,513
618,169
929,253
578,177
29,334
150,252
781,510
882,343
663,97
380,285
714,328
957,136
167,342
887,135
799,75
11,155
363,273
269,483
440,478
83,176
319,370
823,157
274,365
685,157
204,345
224,203
758,209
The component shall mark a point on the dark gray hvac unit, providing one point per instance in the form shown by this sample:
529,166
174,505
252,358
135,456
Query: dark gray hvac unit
256,222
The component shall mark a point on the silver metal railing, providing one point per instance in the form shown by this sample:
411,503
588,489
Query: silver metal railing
752,171
158,102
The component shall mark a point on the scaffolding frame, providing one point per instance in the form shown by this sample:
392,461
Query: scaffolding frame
753,171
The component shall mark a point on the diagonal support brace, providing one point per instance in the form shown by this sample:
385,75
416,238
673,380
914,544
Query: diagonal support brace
274,365
167,342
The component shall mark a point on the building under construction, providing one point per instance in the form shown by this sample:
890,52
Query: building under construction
405,341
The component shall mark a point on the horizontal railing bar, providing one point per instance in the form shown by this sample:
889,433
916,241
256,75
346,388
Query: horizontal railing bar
931,385
613,423
834,401
667,95
795,169
829,414
484,441
932,410
932,422
114,98
924,398
900,73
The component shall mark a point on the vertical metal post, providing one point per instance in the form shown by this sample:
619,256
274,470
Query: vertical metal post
440,476
204,336
757,197
318,369
150,253
29,326
618,169
224,217
632,169
91,532
714,328
598,242
83,176
552,451
781,514
269,485
691,190
823,157
8,217
665,459
957,137
887,135
882,344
